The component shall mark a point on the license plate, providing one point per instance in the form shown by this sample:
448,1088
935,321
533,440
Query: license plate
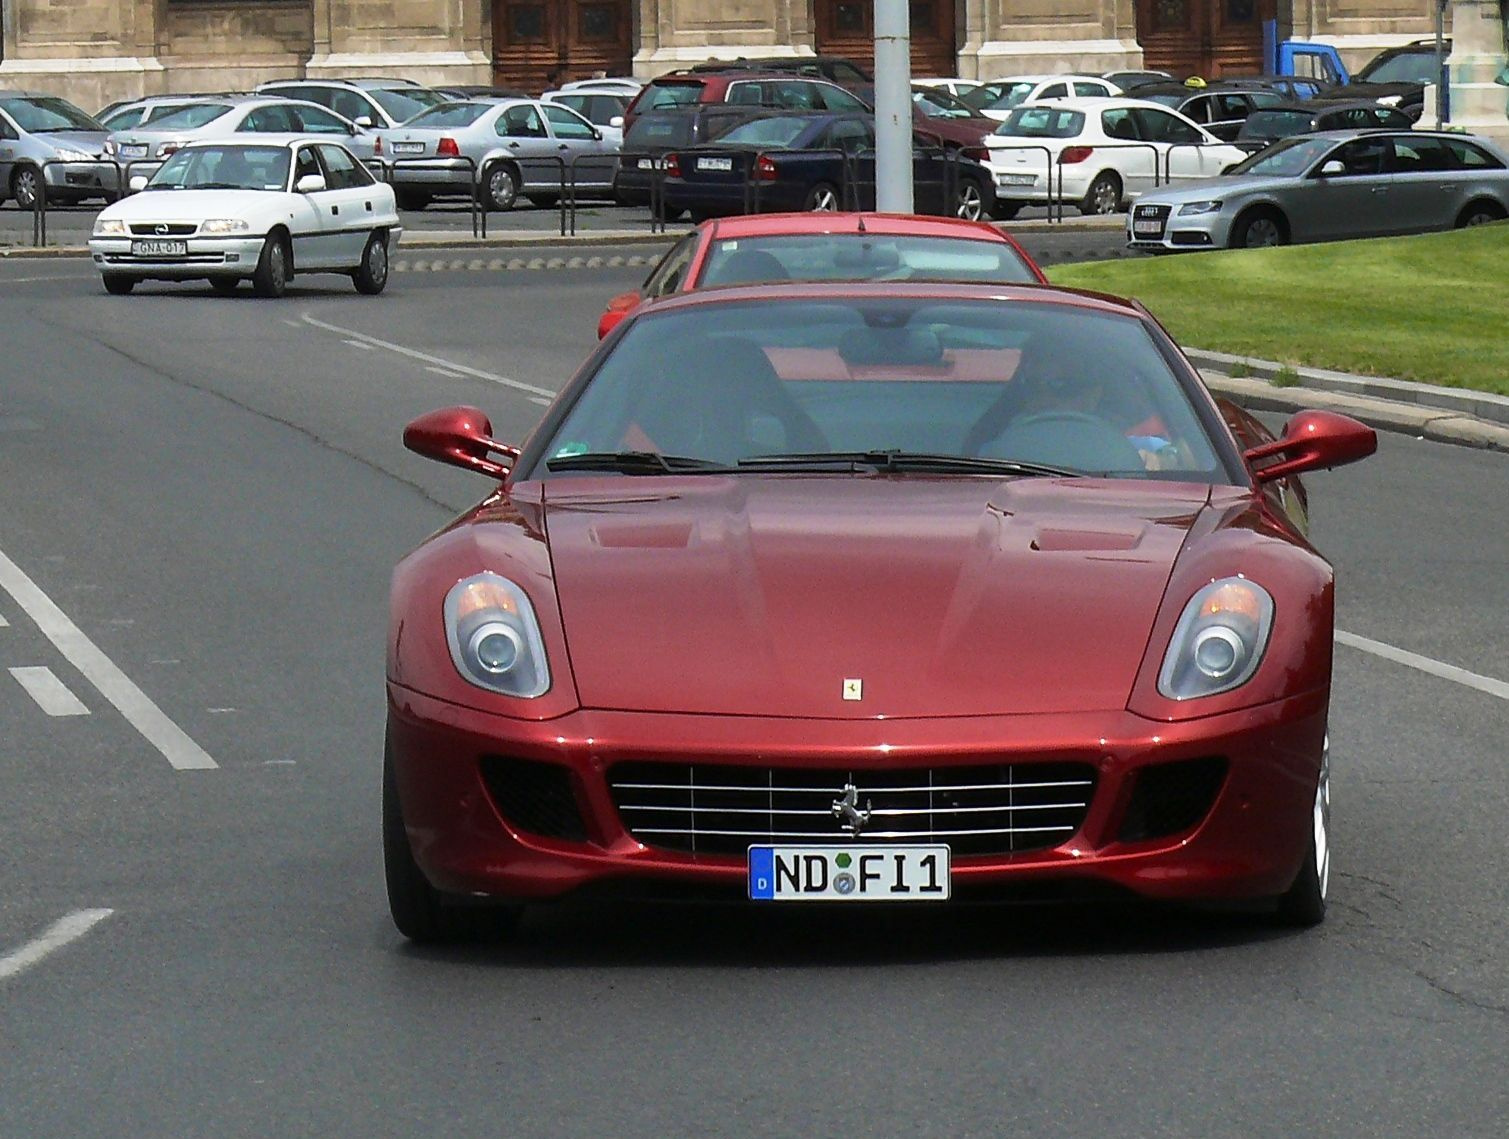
159,248
1154,226
868,873
408,148
715,164
1017,179
650,164
133,150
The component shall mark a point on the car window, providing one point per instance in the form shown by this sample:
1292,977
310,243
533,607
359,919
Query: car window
1406,67
343,172
402,104
521,121
998,96
1042,122
124,119
1286,158
837,99
795,95
868,256
1089,87
848,73
674,95
1163,126
449,115
1228,107
780,131
745,94
317,120
566,123
1118,123
1274,124
6,130
307,163
39,114
851,136
1420,155
1362,157
603,109
1266,99
1472,157
668,276
270,120
1197,109
192,116
1054,91
230,167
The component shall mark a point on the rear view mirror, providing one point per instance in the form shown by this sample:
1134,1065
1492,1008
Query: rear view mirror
1332,168
616,121
1313,441
462,437
137,184
310,184
363,121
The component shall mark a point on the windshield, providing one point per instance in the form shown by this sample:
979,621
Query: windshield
187,118
403,104
669,95
1407,67
450,115
224,168
767,132
941,105
822,384
1274,124
1169,99
659,130
1288,158
1042,122
862,257
998,96
44,113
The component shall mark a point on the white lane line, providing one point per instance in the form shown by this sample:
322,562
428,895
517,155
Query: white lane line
446,372
426,358
60,933
1436,668
36,280
50,693
113,684
359,344
4,624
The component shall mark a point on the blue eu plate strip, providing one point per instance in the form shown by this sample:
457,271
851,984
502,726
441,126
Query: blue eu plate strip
762,873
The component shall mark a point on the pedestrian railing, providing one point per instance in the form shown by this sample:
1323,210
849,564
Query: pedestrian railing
478,212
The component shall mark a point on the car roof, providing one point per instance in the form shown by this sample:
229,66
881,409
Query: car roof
270,138
806,291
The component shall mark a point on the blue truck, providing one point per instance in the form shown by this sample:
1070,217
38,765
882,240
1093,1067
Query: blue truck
1396,76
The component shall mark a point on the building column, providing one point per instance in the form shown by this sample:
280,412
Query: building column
438,42
89,51
1478,57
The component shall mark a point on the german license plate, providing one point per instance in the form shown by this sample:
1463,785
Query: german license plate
133,150
1152,226
159,248
408,148
715,164
868,873
1017,179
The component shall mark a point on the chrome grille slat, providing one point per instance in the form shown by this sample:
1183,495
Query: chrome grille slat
979,809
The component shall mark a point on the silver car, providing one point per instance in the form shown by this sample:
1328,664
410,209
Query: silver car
142,149
498,149
1332,185
37,131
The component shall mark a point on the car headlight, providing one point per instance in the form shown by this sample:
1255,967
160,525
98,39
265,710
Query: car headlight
224,225
1390,100
68,154
1207,207
109,227
1219,640
494,637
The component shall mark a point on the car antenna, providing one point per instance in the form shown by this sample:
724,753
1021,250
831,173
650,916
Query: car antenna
861,223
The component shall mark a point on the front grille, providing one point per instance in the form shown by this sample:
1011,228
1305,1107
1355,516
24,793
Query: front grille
163,229
534,797
1171,797
1149,222
719,809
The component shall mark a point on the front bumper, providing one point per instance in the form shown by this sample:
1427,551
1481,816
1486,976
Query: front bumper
1163,228
81,178
229,256
1247,843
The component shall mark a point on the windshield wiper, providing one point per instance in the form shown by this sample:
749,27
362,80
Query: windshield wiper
632,463
893,461
220,186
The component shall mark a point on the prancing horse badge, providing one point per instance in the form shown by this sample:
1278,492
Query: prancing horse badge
854,688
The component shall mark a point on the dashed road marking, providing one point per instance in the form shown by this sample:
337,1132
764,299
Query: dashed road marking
4,624
60,933
447,373
1426,664
517,264
111,683
359,344
51,694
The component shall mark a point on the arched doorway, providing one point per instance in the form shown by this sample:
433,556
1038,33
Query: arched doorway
538,44
847,28
1209,38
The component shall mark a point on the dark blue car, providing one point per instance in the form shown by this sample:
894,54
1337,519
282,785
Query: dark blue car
821,161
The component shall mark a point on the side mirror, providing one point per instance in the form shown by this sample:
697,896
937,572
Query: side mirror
310,184
597,134
462,437
137,184
1332,169
363,121
617,121
613,315
1313,441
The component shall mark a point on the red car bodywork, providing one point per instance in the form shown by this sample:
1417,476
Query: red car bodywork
1038,612
781,225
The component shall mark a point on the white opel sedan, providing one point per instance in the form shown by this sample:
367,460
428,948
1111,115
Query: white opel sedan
263,210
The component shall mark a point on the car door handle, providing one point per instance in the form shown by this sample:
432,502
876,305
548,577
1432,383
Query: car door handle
562,146
513,146
335,210
1380,189
369,207
1448,187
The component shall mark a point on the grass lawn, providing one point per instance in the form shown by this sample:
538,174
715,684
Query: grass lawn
1432,308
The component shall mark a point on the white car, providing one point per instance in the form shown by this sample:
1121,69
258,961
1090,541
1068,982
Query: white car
956,87
263,208
996,99
1098,154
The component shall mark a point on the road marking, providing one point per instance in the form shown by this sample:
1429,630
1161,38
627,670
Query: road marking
113,684
426,358
61,932
36,280
446,372
4,624
359,344
50,693
1435,668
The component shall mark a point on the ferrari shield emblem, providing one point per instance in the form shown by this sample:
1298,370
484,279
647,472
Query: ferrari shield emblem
854,688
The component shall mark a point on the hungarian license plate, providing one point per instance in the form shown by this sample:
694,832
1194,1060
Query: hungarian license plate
868,873
159,248
1017,179
715,164
650,164
1153,226
408,148
133,150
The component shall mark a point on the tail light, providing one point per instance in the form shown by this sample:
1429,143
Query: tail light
377,147
1072,154
978,153
673,165
447,148
765,169
168,148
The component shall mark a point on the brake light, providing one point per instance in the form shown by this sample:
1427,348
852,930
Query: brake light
448,148
673,165
1072,154
765,169
978,153
377,147
168,148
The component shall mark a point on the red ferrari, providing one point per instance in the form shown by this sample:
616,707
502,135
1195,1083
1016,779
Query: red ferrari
882,593
830,247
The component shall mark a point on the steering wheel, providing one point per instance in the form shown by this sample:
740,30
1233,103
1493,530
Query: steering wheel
1079,440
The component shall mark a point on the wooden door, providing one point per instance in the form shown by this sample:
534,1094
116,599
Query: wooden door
1209,38
539,44
847,28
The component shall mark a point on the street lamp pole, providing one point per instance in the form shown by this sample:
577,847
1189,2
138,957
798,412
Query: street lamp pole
893,106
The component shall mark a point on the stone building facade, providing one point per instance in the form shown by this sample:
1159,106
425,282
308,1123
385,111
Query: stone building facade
94,51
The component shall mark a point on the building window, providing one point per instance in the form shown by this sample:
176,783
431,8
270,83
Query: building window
1240,11
1170,14
850,18
599,21
526,22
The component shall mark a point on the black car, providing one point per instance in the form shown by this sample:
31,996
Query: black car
655,132
1306,116
835,69
1219,108
1396,77
1289,86
790,162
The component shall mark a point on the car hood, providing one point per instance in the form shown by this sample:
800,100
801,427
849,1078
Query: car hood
187,205
1225,188
1405,92
92,142
943,597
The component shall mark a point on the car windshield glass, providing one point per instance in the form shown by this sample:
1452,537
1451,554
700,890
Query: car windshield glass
1166,100
191,116
1042,122
659,130
1408,67
404,104
42,114
1274,124
669,95
862,257
767,132
940,105
224,168
999,96
828,383
450,115
1286,158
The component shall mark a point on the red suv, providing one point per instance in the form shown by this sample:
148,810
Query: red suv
742,87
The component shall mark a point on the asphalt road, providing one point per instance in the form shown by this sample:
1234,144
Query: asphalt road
210,493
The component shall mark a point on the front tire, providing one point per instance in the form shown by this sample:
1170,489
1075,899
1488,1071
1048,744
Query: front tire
822,198
1259,230
371,276
225,286
25,187
1304,903
118,284
500,187
1103,196
271,277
